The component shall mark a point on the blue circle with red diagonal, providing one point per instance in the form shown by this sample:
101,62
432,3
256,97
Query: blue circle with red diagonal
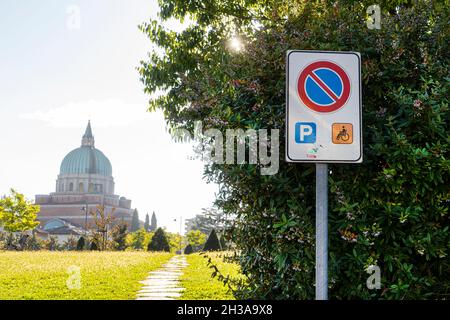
323,86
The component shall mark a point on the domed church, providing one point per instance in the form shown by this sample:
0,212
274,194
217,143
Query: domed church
85,181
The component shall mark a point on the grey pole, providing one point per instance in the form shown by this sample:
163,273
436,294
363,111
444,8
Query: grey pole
321,231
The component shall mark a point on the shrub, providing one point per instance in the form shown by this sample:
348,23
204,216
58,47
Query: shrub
34,243
159,241
212,244
51,243
81,244
93,246
391,210
70,243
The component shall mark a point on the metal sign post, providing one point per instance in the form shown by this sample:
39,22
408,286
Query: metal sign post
323,125
321,231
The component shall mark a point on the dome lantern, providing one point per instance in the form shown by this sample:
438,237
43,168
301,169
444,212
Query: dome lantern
88,138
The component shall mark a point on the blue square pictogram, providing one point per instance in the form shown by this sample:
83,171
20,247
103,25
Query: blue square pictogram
305,132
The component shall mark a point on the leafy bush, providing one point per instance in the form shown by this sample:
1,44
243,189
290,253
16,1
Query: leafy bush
51,243
70,243
212,244
34,243
159,241
391,210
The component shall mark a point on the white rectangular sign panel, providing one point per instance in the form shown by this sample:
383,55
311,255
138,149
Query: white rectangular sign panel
323,107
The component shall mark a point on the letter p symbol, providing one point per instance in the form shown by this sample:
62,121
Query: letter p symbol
305,132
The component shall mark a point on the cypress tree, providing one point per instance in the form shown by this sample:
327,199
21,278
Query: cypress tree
147,223
135,221
212,244
80,244
154,224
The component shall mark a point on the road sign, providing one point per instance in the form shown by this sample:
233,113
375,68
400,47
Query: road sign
323,86
323,116
342,133
305,132
323,125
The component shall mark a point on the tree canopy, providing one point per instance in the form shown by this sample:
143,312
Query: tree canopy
17,213
195,238
390,211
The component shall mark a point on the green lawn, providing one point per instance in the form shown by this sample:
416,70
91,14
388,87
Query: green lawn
197,280
104,275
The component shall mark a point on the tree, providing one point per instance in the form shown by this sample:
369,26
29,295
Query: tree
135,223
175,241
139,239
147,223
17,213
102,220
154,224
195,238
212,244
119,235
390,211
210,218
188,249
159,241
81,244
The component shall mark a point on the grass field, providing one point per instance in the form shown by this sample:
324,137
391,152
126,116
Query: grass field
104,275
197,280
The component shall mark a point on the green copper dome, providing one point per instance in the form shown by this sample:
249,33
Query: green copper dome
86,159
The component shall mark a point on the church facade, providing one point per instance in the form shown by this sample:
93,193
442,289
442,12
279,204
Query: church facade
84,182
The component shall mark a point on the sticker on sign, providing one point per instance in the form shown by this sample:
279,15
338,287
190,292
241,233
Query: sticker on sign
323,107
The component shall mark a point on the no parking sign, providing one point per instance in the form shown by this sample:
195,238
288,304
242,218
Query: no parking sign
323,125
323,116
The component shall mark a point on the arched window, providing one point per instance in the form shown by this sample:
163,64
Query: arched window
62,187
71,186
81,187
91,187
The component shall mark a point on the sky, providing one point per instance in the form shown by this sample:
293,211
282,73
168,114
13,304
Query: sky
63,63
